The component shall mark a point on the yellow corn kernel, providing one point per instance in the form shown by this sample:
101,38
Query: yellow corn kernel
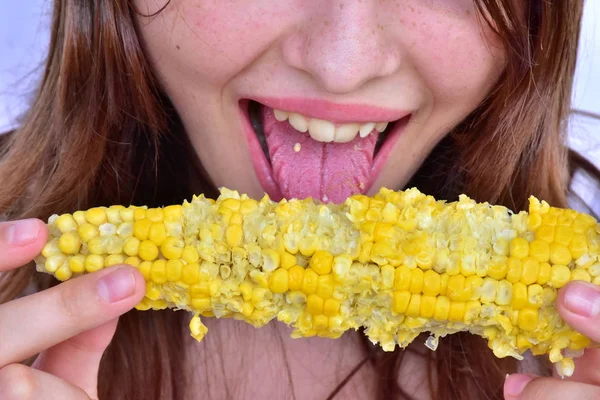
287,260
144,269
94,262
190,254
416,281
504,293
534,221
325,286
279,281
141,228
96,216
331,307
174,270
563,235
560,254
530,271
190,273
66,223
444,284
427,306
549,219
173,212
307,246
402,278
148,251
88,231
457,311
234,235
271,260
456,288
157,233
321,262
578,246
498,267
314,304
309,281
559,276
158,272
401,300
154,214
296,277
528,319
414,306
79,217
54,262
383,231
580,274
77,263
442,308
539,250
519,247
514,270
535,295
544,273
131,246
63,273
69,243
519,293
114,259
431,283
545,233
172,248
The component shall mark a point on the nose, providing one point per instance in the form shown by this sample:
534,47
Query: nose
342,45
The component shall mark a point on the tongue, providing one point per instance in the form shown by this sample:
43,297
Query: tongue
330,172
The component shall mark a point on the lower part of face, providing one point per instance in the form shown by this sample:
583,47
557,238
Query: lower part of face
322,99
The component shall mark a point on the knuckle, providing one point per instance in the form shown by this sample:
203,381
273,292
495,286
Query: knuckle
17,381
71,302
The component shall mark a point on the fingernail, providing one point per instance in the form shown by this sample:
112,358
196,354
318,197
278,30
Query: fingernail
515,384
117,285
583,299
21,233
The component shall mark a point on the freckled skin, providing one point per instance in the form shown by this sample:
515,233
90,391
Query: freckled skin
430,57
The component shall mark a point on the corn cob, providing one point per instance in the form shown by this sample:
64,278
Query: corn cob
398,264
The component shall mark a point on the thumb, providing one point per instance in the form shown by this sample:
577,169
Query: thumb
77,360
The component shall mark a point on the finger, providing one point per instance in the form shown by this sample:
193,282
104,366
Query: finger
39,321
586,368
20,242
579,305
77,360
528,387
18,382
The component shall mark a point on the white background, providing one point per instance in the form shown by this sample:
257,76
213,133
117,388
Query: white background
24,36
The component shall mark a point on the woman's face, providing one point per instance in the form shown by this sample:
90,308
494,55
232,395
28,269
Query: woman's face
319,98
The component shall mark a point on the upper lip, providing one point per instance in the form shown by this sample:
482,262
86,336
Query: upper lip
333,112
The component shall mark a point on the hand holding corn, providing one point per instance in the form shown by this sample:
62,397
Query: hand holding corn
398,264
69,325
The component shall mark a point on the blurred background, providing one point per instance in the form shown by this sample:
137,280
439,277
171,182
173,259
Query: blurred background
24,36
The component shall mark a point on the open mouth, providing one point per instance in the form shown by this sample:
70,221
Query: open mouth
296,156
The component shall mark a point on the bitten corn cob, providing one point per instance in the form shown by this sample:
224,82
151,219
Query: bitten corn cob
398,264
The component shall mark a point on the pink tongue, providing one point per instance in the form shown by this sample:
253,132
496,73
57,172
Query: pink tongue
330,172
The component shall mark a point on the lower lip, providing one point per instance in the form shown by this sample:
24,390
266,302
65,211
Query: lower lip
263,169
261,165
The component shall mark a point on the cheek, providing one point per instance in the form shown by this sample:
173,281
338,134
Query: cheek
454,53
210,40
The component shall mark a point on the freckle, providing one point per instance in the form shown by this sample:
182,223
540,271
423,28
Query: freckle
341,6
177,47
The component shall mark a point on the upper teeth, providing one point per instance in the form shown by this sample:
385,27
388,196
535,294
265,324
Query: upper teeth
326,131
